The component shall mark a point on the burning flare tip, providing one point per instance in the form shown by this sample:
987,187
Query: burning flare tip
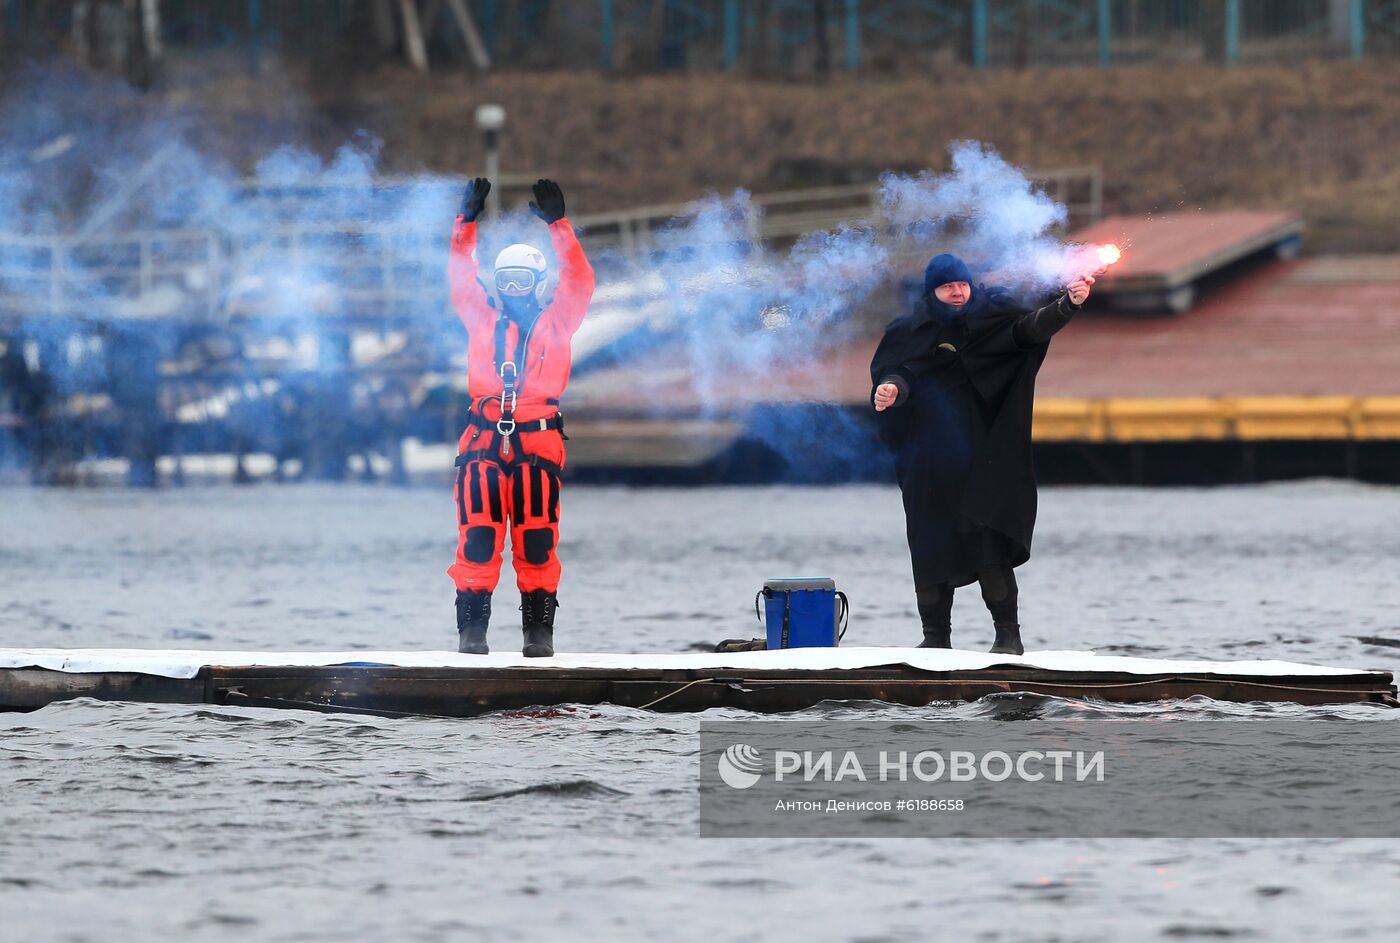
1109,253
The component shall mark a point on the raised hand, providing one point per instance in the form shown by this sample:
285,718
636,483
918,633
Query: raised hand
548,203
474,198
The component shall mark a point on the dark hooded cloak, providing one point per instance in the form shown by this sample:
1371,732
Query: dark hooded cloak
960,430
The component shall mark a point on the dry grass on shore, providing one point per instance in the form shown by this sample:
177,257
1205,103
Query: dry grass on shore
1318,136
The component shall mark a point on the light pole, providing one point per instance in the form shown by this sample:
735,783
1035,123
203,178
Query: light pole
490,119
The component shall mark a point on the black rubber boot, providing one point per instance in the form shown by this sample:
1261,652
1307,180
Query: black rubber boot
537,621
1008,640
999,592
473,616
936,614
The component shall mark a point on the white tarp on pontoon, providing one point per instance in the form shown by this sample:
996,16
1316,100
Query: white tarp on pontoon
186,664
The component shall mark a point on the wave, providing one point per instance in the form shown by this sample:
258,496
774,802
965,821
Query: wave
574,788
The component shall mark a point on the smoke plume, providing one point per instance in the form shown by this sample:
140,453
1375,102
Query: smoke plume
116,217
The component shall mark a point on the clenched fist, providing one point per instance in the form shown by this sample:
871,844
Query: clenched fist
885,395
1078,289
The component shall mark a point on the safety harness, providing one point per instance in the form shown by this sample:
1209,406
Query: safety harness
534,461
510,379
507,427
503,453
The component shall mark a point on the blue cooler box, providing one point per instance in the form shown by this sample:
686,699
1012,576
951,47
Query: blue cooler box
806,612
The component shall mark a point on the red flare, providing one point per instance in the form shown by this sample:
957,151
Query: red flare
1108,254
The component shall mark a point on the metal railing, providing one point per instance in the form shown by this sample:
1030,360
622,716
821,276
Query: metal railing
337,270
367,272
784,215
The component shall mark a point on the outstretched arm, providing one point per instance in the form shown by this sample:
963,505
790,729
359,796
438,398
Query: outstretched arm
468,297
576,278
1038,326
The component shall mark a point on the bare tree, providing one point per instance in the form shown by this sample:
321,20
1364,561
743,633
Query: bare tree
821,33
414,47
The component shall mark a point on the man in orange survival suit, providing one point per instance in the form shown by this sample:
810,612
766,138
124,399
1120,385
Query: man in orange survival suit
512,452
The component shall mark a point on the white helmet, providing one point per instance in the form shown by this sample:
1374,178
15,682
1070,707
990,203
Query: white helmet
521,271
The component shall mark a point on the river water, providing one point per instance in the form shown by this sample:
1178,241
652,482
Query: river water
129,821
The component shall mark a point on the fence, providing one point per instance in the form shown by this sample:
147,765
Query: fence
772,36
780,216
366,272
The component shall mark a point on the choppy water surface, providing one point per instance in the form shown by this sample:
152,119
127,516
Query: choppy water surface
126,821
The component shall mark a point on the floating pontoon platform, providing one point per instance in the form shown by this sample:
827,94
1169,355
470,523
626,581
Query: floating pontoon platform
1167,254
451,685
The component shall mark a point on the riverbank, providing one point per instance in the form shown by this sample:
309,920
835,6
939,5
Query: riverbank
1317,136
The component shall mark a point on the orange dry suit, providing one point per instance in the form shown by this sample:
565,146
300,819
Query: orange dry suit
512,452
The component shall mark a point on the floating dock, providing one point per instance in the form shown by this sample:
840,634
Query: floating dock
1296,357
1167,254
451,685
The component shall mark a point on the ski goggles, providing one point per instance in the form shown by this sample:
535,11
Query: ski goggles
516,281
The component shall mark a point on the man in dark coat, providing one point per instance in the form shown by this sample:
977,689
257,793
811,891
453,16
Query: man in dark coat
954,384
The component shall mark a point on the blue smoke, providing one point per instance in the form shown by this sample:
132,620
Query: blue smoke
116,216
989,213
741,327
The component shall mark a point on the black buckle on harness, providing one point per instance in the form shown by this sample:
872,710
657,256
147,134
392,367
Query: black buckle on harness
534,425
545,465
486,455
479,455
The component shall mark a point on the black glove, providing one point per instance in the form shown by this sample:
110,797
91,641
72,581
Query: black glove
548,203
474,198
